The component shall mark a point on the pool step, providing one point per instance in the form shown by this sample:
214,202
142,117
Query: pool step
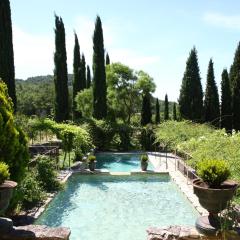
120,173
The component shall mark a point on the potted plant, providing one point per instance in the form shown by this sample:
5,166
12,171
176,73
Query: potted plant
144,162
6,187
214,192
92,162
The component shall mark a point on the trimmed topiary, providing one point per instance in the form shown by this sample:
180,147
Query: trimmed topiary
91,158
4,172
213,172
144,158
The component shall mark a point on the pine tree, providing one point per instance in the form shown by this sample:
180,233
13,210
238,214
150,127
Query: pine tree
236,102
146,113
99,74
83,72
211,101
107,59
157,112
60,73
76,77
174,112
88,77
235,68
226,102
191,94
166,108
7,70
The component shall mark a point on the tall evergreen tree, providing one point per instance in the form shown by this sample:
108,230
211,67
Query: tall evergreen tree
77,86
235,68
166,108
157,112
236,102
174,112
211,101
88,77
226,102
7,70
191,94
83,72
99,74
107,59
146,113
60,73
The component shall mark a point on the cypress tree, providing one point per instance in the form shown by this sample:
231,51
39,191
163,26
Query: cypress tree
83,72
174,112
166,108
191,94
7,70
99,74
211,101
60,73
226,102
157,116
76,76
235,67
146,113
88,77
236,102
107,59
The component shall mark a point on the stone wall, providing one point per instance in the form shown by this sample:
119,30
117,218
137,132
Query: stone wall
36,232
185,233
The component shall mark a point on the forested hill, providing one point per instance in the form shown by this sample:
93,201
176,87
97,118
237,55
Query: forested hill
35,96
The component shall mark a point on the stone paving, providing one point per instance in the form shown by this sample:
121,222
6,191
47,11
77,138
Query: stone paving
162,163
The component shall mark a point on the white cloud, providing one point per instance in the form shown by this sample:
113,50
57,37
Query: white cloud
220,20
34,52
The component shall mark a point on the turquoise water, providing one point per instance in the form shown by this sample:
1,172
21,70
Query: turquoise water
117,207
120,162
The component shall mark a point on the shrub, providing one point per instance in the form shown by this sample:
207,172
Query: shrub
144,158
4,172
46,174
13,142
213,172
91,158
29,192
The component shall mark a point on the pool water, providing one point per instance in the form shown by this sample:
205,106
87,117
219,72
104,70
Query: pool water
117,207
120,162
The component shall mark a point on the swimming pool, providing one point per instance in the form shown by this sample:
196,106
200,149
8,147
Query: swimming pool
120,162
118,207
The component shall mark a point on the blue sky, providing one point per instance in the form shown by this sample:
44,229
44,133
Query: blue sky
155,36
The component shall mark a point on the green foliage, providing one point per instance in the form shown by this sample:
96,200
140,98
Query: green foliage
166,108
213,172
29,192
91,158
236,103
211,101
77,77
148,137
99,75
46,174
88,77
7,71
191,94
107,59
144,158
84,101
13,142
60,73
4,172
226,102
146,113
174,115
172,133
157,112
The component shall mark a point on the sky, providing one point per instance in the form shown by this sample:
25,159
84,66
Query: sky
155,36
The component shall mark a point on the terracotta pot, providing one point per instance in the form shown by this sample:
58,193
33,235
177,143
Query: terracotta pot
92,165
144,165
6,190
214,200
